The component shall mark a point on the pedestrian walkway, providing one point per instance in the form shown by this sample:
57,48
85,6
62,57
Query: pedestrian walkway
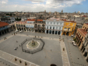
11,59
65,59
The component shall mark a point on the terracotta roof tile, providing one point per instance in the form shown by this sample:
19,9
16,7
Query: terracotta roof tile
82,31
84,16
34,19
3,24
71,21
39,20
86,23
30,19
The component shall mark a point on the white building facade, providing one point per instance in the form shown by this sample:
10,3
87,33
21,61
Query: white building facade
54,26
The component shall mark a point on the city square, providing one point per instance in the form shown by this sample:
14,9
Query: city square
43,33
52,52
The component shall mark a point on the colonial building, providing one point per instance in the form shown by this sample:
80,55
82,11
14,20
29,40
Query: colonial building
69,28
54,26
85,26
27,25
4,28
80,35
39,25
20,26
84,48
30,24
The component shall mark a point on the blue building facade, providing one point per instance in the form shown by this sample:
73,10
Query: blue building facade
4,28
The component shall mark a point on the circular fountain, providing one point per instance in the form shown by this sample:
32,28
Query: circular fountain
32,45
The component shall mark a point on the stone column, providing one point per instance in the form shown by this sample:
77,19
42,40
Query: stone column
26,29
83,53
57,32
54,32
45,31
60,32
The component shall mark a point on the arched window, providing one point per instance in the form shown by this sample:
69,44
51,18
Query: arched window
50,27
51,22
53,28
53,65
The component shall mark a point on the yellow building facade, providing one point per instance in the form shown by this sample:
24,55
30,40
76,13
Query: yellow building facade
69,28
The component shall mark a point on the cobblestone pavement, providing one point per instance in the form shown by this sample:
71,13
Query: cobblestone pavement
5,63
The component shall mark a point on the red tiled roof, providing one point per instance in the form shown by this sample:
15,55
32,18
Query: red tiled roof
39,20
86,23
64,19
3,24
78,37
30,19
82,31
84,16
71,21
34,19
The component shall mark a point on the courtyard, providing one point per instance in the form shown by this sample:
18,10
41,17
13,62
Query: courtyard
50,54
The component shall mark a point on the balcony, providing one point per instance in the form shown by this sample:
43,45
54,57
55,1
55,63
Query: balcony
65,29
78,37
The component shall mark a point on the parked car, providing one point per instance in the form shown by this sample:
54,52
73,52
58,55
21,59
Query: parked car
73,42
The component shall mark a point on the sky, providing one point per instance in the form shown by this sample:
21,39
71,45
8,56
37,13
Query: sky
41,5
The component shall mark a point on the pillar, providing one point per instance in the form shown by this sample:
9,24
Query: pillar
54,32
48,31
16,29
26,29
45,31
60,32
